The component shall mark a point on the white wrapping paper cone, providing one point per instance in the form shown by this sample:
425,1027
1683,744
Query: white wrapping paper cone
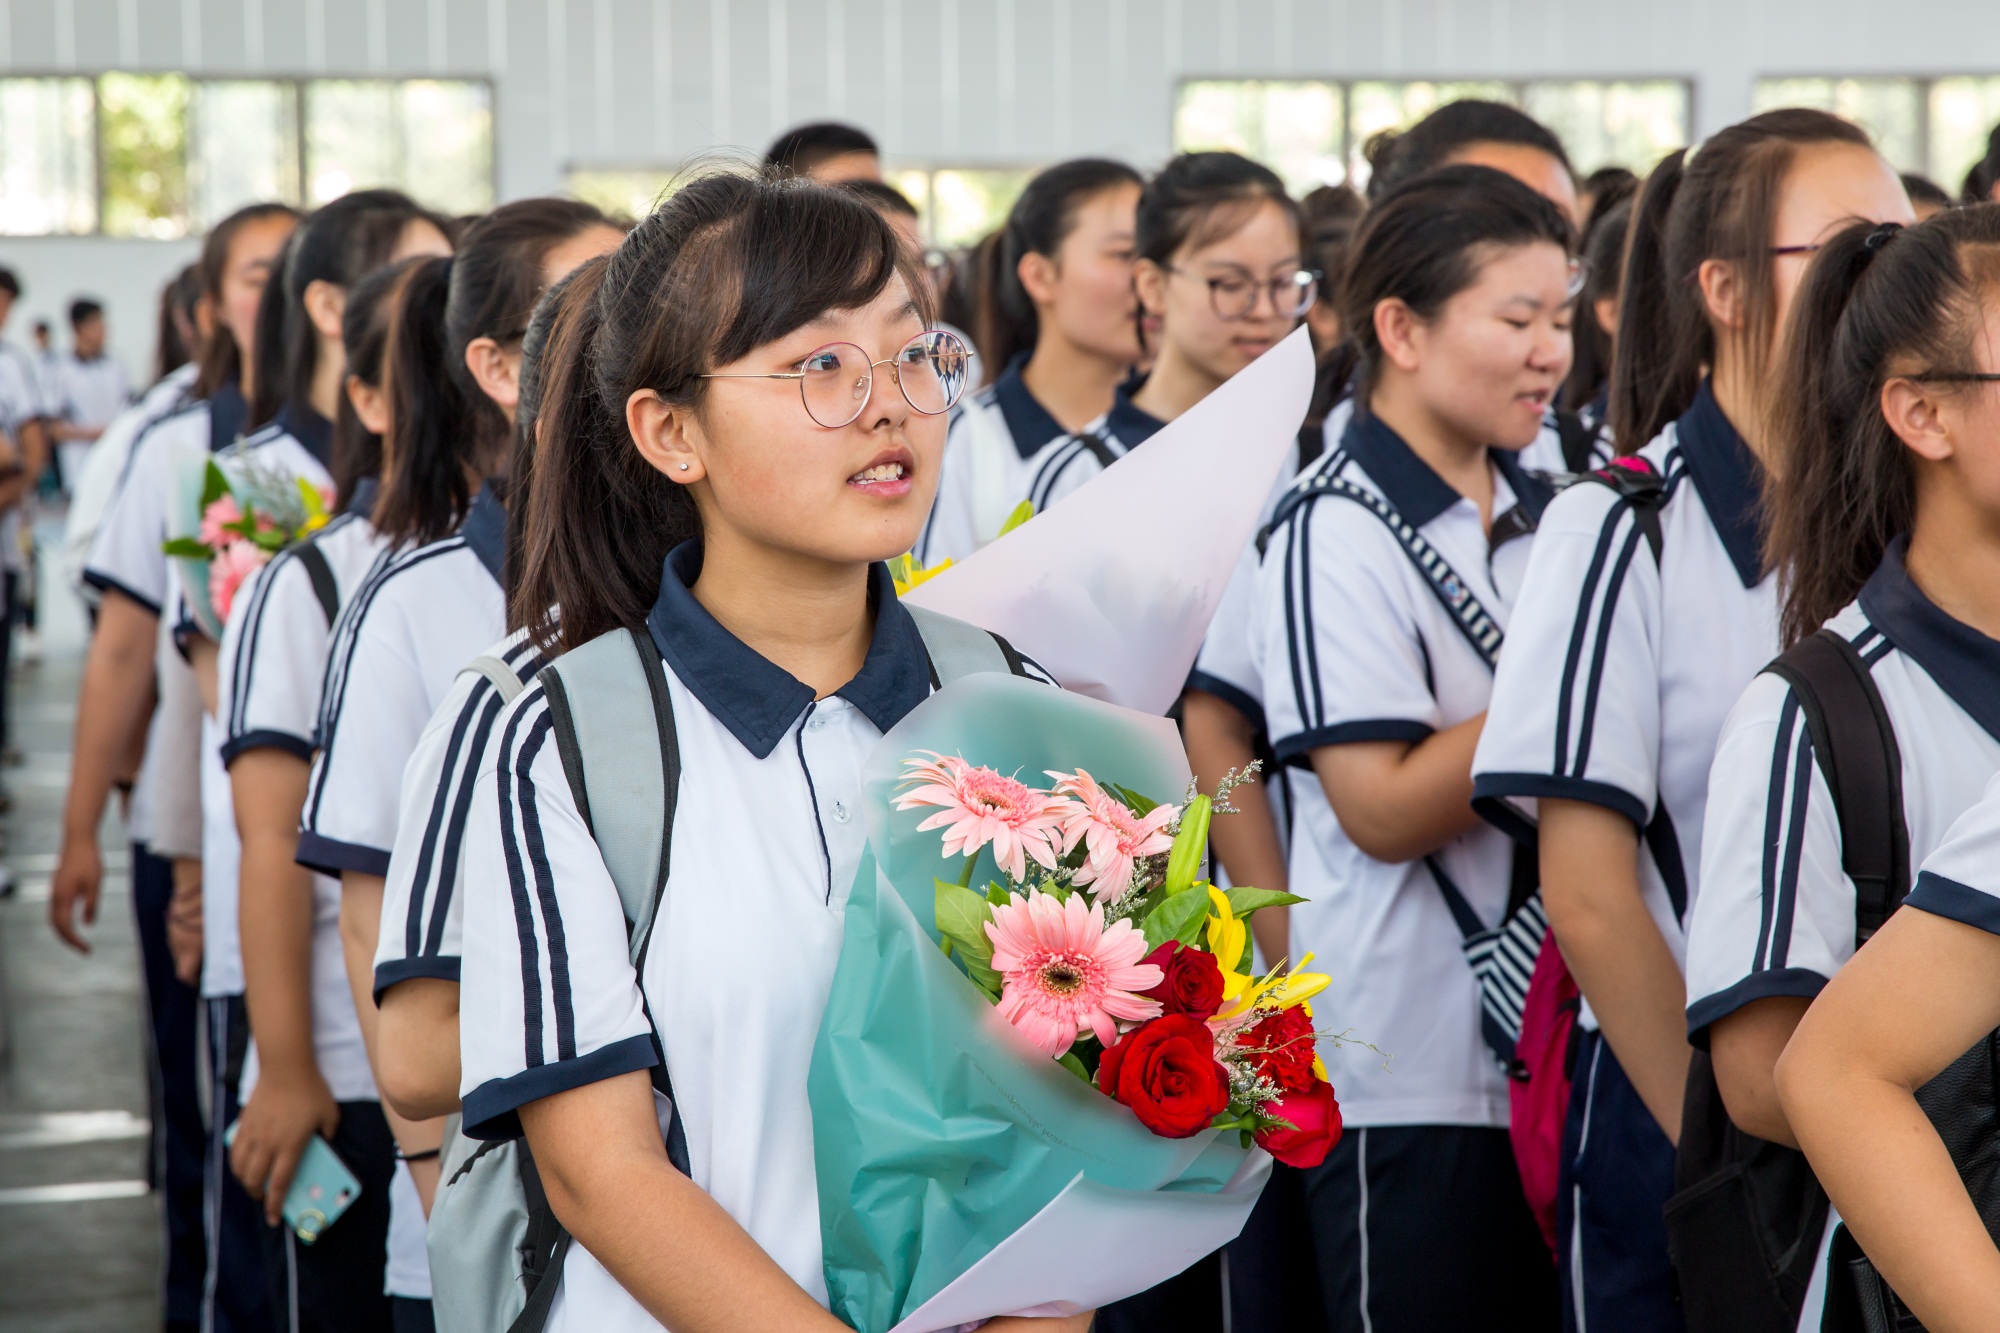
1113,587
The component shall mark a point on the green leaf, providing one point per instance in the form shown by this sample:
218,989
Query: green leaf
1142,804
187,548
1246,900
214,485
1179,916
996,895
961,918
1246,1123
1022,513
1190,845
309,496
1068,1059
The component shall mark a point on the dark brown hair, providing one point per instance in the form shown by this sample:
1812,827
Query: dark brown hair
364,334
727,264
1603,259
1398,156
1718,202
1878,302
444,427
177,301
221,360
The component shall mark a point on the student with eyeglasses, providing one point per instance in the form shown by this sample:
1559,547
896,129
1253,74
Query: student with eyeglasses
1056,321
1648,607
742,413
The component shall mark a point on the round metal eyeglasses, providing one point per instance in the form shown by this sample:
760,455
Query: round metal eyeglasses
835,381
1235,296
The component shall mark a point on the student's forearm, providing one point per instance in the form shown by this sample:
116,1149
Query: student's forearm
360,922
202,653
275,911
1745,1047
1621,962
1245,842
1401,801
115,700
416,1046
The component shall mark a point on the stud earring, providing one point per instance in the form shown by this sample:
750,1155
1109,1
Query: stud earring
684,467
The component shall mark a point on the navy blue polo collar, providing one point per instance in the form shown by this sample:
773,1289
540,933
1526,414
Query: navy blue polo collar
757,699
226,414
309,428
1028,422
1128,424
1963,661
1728,478
485,530
1410,485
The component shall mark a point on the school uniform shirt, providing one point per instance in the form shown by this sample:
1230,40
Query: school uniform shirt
1062,465
270,667
423,902
424,613
1960,879
770,806
994,436
91,493
1776,912
1618,672
90,393
1357,647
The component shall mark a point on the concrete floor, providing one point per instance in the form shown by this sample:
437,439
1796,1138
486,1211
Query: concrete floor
79,1236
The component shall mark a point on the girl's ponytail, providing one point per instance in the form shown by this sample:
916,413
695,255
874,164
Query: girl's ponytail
1655,363
996,330
425,489
364,333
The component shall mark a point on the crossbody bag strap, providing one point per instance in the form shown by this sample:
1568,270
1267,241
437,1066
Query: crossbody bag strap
1098,445
958,648
1857,751
325,590
496,673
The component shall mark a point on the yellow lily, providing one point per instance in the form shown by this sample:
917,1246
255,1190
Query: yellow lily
1277,990
1226,937
906,573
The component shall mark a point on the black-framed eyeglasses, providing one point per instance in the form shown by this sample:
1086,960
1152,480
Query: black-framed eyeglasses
1235,297
1955,377
1815,247
835,380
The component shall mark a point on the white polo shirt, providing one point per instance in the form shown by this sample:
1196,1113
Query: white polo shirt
423,903
1618,674
770,807
1357,647
1960,879
400,643
90,494
1776,911
994,436
90,393
1062,465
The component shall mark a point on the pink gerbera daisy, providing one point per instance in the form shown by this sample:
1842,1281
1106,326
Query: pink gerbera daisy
221,511
229,570
1113,837
979,806
1064,973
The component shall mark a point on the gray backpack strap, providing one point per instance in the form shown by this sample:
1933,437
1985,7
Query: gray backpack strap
959,649
497,673
614,727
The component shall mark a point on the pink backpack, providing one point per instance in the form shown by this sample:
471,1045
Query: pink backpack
1538,1090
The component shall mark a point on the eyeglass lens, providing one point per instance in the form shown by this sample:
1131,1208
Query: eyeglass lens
1234,298
931,371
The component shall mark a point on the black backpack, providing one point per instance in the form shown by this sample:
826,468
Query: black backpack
1747,1216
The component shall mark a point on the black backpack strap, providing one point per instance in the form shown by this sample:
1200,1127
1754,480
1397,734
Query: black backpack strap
1312,443
1641,487
321,574
1098,445
543,1248
1857,751
1579,440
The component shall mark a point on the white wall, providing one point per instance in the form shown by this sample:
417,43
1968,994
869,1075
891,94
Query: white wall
125,275
964,82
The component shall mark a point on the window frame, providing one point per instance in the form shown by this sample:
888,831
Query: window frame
1925,85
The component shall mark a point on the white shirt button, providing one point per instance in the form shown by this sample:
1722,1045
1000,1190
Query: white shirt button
815,722
840,812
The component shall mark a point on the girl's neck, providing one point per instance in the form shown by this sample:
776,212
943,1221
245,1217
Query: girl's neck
1460,462
1175,385
1736,396
1074,383
328,371
808,616
1954,554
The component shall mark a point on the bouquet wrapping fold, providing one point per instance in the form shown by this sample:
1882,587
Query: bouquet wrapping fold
962,1173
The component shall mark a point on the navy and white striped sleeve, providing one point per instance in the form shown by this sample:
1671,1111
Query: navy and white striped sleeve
1063,467
1960,879
423,902
1575,712
1343,656
125,555
549,1001
273,658
1775,916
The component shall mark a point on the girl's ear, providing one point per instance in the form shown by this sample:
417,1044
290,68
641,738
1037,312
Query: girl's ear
1038,277
1721,292
371,405
1400,333
1149,280
668,436
325,304
1911,409
496,372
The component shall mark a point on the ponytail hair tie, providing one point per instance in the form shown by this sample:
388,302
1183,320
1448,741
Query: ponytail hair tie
1879,238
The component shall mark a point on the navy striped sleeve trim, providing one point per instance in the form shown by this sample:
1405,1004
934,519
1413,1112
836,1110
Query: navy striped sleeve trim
265,740
331,857
1801,983
441,967
103,582
1496,786
1239,699
492,1109
1353,733
1509,818
1955,901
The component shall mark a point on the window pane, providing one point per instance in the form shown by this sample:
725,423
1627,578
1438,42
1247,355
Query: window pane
142,121
1375,106
245,140
48,179
630,194
967,203
1629,124
1292,127
1889,109
1963,112
430,138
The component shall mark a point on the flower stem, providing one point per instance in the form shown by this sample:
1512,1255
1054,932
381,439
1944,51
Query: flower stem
965,876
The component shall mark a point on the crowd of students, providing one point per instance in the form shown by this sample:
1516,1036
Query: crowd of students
1582,459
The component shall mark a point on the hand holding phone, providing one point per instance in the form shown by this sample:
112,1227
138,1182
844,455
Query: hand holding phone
322,1189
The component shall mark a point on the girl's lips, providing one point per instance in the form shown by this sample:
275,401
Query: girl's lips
888,479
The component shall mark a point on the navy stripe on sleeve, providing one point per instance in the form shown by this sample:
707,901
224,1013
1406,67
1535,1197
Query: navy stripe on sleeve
1796,982
517,884
491,1110
1948,898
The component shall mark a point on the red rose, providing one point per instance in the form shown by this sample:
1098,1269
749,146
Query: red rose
1166,1071
1192,980
1315,1117
1282,1047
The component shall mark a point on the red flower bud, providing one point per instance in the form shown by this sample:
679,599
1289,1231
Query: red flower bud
1191,981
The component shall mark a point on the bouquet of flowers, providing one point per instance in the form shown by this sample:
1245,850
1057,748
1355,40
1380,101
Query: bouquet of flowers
1098,942
1050,1094
244,520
